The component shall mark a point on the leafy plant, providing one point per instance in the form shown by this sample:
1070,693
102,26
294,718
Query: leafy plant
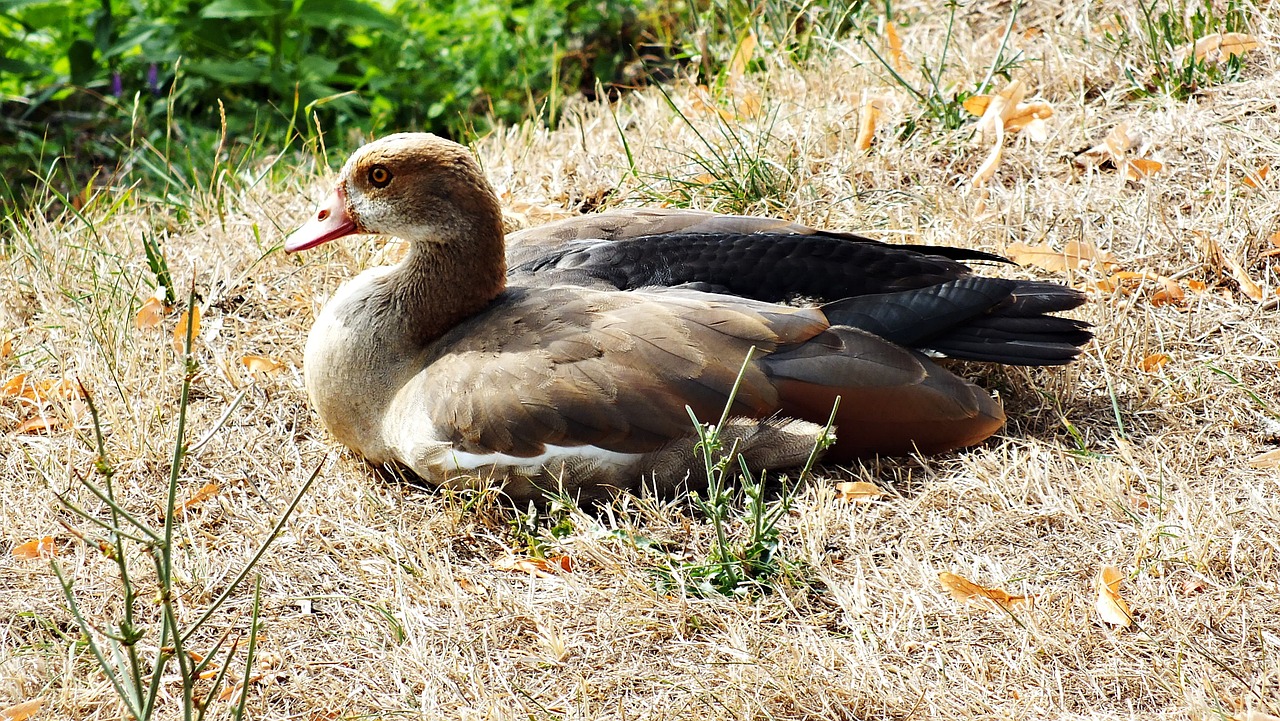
1167,37
734,166
740,563
939,101
117,647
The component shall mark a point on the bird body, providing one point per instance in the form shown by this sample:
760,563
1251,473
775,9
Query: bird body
576,366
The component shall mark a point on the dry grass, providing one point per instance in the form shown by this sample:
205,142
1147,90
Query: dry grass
381,599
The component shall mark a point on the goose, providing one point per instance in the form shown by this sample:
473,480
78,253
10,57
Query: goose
565,357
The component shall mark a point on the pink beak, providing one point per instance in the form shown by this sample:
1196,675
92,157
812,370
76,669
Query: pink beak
331,221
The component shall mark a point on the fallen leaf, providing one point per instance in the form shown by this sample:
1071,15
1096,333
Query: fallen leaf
1252,715
151,313
207,491
540,567
1196,286
976,105
1169,293
261,363
988,167
1154,362
230,691
1118,142
1254,179
180,332
868,116
1139,168
1247,286
1270,459
22,711
857,491
1274,238
896,56
1024,114
1073,256
42,423
35,548
1192,585
1218,47
1111,607
41,391
966,591
6,345
1037,130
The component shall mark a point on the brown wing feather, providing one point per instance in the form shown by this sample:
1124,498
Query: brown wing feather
607,369
571,366
893,400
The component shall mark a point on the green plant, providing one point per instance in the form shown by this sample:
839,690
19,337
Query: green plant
90,88
939,101
131,542
734,167
746,562
1166,36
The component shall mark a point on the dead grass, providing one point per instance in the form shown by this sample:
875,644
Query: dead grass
381,600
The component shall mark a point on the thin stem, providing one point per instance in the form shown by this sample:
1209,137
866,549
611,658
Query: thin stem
244,572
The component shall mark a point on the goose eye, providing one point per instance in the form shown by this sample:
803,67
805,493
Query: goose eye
379,176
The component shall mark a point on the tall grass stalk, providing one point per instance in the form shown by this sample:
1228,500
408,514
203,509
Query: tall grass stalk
135,675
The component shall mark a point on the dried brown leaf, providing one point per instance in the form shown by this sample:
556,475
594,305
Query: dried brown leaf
180,331
868,117
1219,47
261,363
1168,293
22,711
989,165
1139,168
1270,459
1254,179
1154,362
1111,607
43,424
540,567
150,314
1073,256
35,548
207,491
234,689
1247,286
896,56
976,105
966,591
857,491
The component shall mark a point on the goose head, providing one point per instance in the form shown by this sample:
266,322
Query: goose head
415,186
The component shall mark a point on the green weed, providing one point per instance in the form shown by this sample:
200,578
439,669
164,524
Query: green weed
743,558
1163,33
940,103
132,543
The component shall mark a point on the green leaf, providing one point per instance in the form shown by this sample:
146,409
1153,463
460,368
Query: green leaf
240,72
83,66
7,5
235,9
21,67
324,13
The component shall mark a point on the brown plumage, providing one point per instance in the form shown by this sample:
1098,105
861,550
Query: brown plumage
451,367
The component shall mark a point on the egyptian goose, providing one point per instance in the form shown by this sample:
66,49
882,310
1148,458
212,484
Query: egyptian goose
576,367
